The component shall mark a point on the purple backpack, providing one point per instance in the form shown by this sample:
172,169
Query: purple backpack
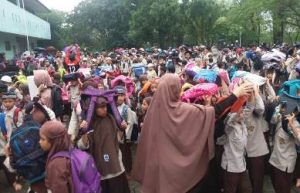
92,94
85,176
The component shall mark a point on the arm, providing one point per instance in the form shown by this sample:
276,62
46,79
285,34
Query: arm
221,106
259,105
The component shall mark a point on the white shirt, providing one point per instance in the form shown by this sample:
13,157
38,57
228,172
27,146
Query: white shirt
284,153
256,145
233,158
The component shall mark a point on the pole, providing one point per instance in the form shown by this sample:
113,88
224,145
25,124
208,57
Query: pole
26,28
240,37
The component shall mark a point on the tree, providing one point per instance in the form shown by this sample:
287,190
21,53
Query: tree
60,31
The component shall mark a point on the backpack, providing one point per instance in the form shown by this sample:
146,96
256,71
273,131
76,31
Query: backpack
288,94
28,159
57,100
88,100
2,122
85,176
138,70
199,91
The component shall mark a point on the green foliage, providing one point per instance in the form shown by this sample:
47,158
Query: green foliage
106,24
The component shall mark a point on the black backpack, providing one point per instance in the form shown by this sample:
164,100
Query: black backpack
57,100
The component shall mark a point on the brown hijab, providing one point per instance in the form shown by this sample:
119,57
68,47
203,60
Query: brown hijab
57,133
176,142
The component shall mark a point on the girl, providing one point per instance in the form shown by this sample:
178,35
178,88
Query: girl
103,144
143,111
54,138
284,155
257,148
233,159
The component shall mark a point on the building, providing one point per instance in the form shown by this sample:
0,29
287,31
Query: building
16,24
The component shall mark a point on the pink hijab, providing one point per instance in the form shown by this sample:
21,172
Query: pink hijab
176,142
42,77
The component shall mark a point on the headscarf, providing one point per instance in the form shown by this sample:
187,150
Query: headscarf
56,132
173,154
42,77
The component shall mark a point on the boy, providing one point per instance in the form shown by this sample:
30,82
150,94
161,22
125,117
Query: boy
13,118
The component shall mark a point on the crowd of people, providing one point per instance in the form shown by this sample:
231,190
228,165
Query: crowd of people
188,119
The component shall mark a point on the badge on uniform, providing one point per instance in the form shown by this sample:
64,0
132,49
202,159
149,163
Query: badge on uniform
106,157
281,140
250,128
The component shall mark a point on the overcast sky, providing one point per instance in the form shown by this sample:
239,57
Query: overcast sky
63,5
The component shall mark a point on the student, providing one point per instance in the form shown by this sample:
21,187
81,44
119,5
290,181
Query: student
53,139
34,112
145,105
12,119
284,155
151,74
130,119
44,83
102,142
257,148
233,158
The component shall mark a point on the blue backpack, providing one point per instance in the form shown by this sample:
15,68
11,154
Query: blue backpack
28,159
85,176
138,70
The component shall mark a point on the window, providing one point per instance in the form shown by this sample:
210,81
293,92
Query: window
7,46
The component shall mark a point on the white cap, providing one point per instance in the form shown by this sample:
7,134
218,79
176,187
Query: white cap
6,79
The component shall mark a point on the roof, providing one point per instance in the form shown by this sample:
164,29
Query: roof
35,6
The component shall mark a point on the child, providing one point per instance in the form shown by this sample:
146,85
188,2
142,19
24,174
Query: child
54,138
34,113
44,83
130,119
13,119
143,111
284,155
151,74
233,158
102,142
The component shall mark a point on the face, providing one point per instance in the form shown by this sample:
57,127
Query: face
74,83
121,99
145,106
101,111
8,103
44,142
154,87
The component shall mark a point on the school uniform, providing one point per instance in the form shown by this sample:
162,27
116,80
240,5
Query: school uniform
284,156
256,148
233,159
10,126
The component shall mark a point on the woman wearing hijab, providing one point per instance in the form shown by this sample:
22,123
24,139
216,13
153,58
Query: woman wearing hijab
53,139
44,83
176,142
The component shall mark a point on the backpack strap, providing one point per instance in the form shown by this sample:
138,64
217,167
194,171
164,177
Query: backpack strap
3,126
61,154
16,116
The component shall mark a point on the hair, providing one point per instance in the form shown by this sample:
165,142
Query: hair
148,100
88,83
24,88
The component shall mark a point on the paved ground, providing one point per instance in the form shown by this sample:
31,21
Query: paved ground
134,186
